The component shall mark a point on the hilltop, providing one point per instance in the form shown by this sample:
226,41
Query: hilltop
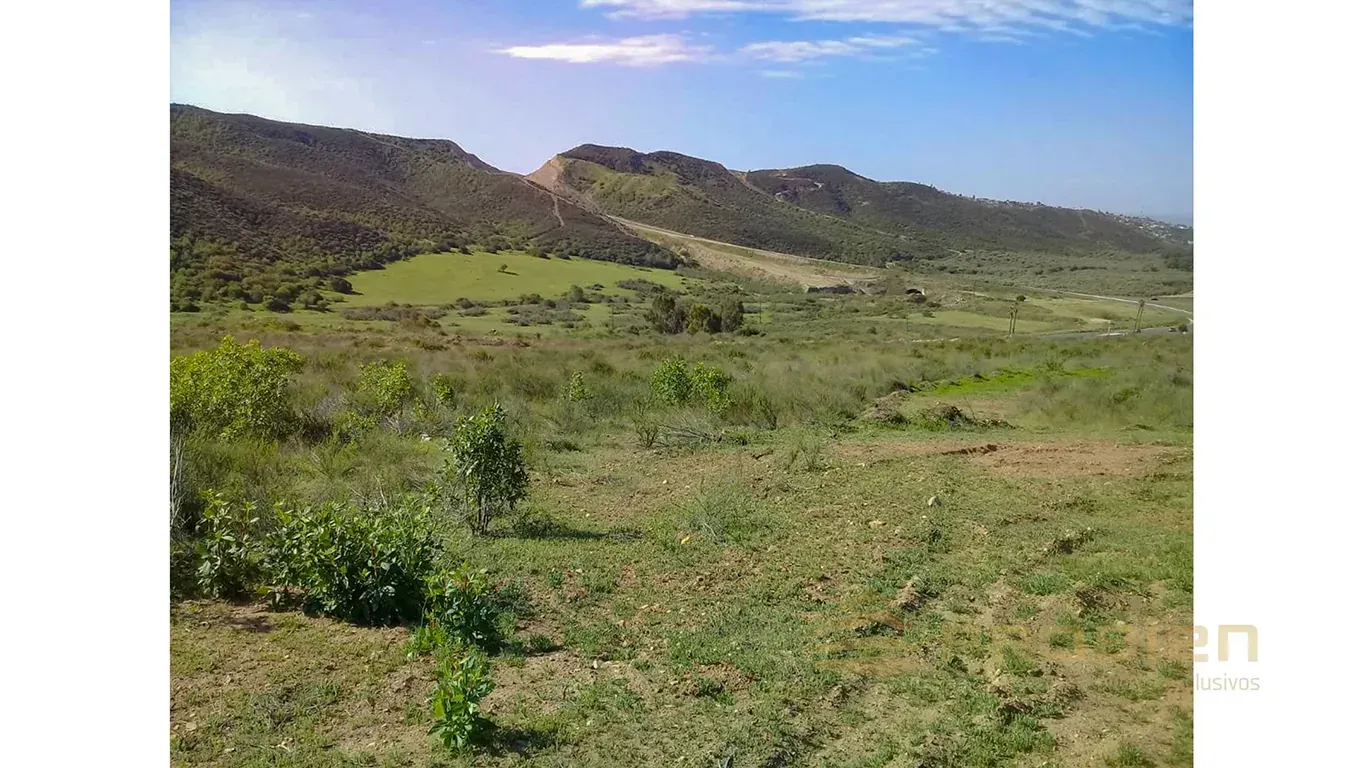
264,210
827,211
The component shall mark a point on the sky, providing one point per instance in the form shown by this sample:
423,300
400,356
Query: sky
1080,103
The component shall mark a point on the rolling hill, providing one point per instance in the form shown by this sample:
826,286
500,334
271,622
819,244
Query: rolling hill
827,211
266,211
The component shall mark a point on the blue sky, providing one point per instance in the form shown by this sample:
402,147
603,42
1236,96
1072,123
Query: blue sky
1068,102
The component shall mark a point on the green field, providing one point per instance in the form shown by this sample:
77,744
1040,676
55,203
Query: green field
441,278
766,582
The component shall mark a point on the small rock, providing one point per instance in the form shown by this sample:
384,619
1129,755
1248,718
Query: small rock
934,501
877,523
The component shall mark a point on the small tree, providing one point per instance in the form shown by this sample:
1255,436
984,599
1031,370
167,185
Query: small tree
484,474
731,315
666,315
702,320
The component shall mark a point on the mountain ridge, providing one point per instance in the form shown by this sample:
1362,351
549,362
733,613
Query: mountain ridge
895,219
264,211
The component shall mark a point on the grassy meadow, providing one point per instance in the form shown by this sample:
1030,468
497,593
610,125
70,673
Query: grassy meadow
877,532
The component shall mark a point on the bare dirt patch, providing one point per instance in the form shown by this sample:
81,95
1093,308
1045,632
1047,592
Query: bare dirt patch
1054,460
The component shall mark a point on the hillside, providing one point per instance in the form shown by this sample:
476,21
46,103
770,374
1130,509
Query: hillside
263,210
706,199
916,209
827,211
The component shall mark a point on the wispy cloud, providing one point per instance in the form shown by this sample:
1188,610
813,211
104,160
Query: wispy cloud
804,50
645,51
782,74
1075,16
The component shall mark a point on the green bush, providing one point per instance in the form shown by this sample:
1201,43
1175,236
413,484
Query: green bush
445,389
366,566
576,389
228,551
731,314
236,390
700,319
463,608
672,381
710,385
454,703
484,474
385,387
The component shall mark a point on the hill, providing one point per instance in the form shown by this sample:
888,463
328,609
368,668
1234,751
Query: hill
703,198
266,211
918,209
827,211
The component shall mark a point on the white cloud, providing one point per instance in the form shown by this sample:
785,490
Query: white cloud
782,74
956,15
804,50
645,51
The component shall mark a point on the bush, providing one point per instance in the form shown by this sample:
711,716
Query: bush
666,314
460,606
675,384
484,474
700,319
576,389
710,385
366,566
227,551
445,389
236,390
672,381
731,315
454,703
385,387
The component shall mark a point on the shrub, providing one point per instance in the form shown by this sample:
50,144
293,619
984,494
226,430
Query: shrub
576,389
484,474
700,319
710,385
675,384
454,703
445,389
644,424
731,314
462,607
672,381
366,566
236,390
666,314
386,387
228,551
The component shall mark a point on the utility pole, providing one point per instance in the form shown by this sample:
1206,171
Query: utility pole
1141,307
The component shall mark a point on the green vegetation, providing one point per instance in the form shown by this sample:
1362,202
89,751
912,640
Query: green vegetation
236,390
763,578
484,475
444,278
454,704
271,213
826,211
496,508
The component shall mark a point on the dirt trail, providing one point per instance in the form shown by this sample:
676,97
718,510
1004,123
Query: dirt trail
787,267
